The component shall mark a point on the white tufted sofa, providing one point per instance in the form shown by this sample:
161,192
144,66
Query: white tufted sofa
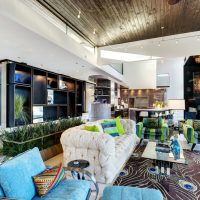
106,154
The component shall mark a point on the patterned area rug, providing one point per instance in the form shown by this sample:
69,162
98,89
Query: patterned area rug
182,184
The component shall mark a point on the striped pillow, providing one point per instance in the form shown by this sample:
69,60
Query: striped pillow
48,179
110,127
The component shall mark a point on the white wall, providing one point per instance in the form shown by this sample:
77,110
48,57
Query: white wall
140,75
174,67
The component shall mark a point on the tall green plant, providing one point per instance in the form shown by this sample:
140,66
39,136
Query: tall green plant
19,108
38,133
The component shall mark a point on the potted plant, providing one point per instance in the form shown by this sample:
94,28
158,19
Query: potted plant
21,116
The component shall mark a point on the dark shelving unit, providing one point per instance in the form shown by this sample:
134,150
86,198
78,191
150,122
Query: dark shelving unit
62,112
39,87
66,83
103,90
52,81
50,113
72,104
58,95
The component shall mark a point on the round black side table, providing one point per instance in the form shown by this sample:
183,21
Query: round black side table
80,164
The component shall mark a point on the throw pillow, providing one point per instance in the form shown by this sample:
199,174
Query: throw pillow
161,122
93,128
49,179
120,127
110,127
196,125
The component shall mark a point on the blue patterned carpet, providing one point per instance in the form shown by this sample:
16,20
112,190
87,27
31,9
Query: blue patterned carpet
182,184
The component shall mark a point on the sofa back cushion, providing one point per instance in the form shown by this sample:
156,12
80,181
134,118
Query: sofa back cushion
150,123
196,125
16,175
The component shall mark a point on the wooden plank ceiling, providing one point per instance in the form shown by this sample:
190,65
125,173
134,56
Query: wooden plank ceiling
120,21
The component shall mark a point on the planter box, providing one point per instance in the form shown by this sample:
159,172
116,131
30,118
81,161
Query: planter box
12,148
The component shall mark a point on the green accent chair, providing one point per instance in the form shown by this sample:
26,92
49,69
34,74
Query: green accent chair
191,131
152,129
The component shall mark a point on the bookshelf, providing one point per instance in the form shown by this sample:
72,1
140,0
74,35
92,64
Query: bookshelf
46,95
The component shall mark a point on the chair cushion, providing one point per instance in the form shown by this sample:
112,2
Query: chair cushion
16,174
196,125
110,127
49,179
68,190
150,122
1,192
131,193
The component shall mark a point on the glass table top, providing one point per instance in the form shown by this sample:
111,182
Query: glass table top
151,153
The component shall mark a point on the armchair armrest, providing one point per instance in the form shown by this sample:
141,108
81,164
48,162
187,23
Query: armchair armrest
139,127
189,133
90,177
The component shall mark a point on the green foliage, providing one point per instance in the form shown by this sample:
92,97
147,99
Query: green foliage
20,108
37,133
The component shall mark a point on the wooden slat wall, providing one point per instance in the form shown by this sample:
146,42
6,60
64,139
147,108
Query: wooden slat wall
119,21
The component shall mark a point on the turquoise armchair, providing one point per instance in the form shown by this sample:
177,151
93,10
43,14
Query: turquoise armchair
16,180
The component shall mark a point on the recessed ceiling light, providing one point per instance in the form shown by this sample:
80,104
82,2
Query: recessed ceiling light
94,32
162,27
79,14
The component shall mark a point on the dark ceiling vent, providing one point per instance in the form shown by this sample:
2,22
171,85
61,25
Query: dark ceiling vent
173,2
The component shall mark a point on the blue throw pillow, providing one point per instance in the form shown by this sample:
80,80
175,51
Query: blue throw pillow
110,127
16,175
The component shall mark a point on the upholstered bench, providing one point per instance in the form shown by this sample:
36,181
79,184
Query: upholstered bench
131,193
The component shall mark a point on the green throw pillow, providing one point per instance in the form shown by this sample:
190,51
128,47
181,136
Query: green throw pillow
93,128
119,125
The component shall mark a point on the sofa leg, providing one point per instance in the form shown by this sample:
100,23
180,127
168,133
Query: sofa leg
140,141
193,145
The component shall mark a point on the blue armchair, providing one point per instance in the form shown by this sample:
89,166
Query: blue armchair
16,180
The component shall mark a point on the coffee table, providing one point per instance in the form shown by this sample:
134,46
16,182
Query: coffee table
161,159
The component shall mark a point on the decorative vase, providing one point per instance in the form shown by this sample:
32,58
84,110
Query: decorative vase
176,149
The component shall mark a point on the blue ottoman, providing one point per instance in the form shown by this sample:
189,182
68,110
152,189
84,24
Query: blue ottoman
131,193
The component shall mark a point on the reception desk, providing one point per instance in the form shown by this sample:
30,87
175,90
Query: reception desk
135,112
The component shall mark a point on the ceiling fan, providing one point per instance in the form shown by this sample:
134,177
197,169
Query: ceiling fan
172,2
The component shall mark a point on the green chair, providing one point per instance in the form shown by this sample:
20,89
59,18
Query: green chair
191,131
152,129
